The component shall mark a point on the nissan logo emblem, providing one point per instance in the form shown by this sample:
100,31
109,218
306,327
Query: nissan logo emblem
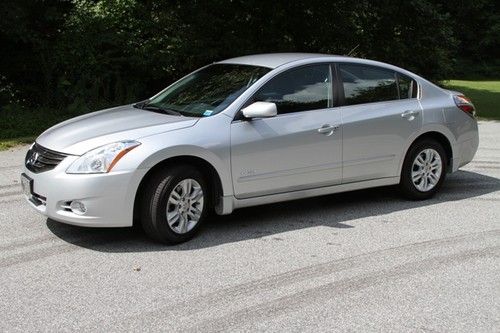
33,158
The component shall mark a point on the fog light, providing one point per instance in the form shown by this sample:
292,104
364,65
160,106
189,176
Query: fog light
78,207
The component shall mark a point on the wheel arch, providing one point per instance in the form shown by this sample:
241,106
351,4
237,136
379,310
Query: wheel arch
205,167
439,137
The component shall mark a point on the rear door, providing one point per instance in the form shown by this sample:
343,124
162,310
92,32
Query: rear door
379,114
299,148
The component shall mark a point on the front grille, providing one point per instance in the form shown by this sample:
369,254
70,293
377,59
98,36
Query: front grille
40,159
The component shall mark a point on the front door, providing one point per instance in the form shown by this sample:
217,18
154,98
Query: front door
299,148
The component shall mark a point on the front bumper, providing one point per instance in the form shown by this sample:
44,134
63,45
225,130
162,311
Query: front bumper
109,198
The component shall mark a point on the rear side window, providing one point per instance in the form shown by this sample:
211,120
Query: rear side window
367,84
301,89
407,87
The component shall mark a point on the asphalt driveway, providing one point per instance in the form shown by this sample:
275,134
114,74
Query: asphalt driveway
364,261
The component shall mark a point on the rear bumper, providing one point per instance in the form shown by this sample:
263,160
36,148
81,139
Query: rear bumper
465,150
109,198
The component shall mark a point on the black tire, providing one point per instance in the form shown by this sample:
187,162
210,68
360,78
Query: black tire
406,185
154,203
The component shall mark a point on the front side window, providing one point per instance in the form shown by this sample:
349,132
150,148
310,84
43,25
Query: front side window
367,84
301,89
209,90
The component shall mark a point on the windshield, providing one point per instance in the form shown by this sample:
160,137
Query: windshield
207,91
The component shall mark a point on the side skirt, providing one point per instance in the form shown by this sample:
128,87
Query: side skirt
229,203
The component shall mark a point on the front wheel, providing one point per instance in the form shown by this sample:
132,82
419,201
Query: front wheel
424,170
174,204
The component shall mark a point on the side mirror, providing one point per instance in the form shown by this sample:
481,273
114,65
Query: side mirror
260,110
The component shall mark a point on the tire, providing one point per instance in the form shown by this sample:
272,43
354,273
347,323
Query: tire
164,187
417,190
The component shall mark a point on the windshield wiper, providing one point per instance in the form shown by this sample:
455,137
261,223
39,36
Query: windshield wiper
160,109
140,104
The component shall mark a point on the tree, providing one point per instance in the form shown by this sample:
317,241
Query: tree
102,52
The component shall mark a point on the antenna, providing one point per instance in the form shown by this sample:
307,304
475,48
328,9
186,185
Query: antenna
354,49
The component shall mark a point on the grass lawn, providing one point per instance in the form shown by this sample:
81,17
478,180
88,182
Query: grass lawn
20,126
484,94
6,143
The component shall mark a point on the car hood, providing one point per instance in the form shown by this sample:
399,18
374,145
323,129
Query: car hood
78,135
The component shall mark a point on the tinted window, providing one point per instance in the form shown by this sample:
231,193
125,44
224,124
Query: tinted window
209,90
365,84
407,87
306,88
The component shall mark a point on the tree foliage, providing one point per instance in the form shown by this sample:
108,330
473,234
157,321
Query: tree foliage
102,52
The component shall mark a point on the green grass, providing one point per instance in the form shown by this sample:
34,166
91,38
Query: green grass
21,125
6,144
485,95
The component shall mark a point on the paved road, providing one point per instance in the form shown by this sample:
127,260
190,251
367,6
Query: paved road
362,261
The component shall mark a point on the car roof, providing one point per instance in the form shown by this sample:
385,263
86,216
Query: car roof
273,60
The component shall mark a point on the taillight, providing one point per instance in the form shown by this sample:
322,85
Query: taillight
465,104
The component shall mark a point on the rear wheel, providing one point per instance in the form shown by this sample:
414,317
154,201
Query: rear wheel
174,204
424,170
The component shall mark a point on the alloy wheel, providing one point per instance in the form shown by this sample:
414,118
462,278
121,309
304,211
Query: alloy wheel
185,206
426,170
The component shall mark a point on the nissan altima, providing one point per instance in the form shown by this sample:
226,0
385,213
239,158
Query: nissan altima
248,131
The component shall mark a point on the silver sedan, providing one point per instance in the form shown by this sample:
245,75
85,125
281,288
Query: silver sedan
249,131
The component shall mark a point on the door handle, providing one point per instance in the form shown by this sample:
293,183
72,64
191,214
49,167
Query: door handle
328,129
409,114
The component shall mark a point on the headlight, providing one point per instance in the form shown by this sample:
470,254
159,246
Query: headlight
102,159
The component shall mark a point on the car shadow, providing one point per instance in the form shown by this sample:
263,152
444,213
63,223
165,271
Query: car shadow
250,223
